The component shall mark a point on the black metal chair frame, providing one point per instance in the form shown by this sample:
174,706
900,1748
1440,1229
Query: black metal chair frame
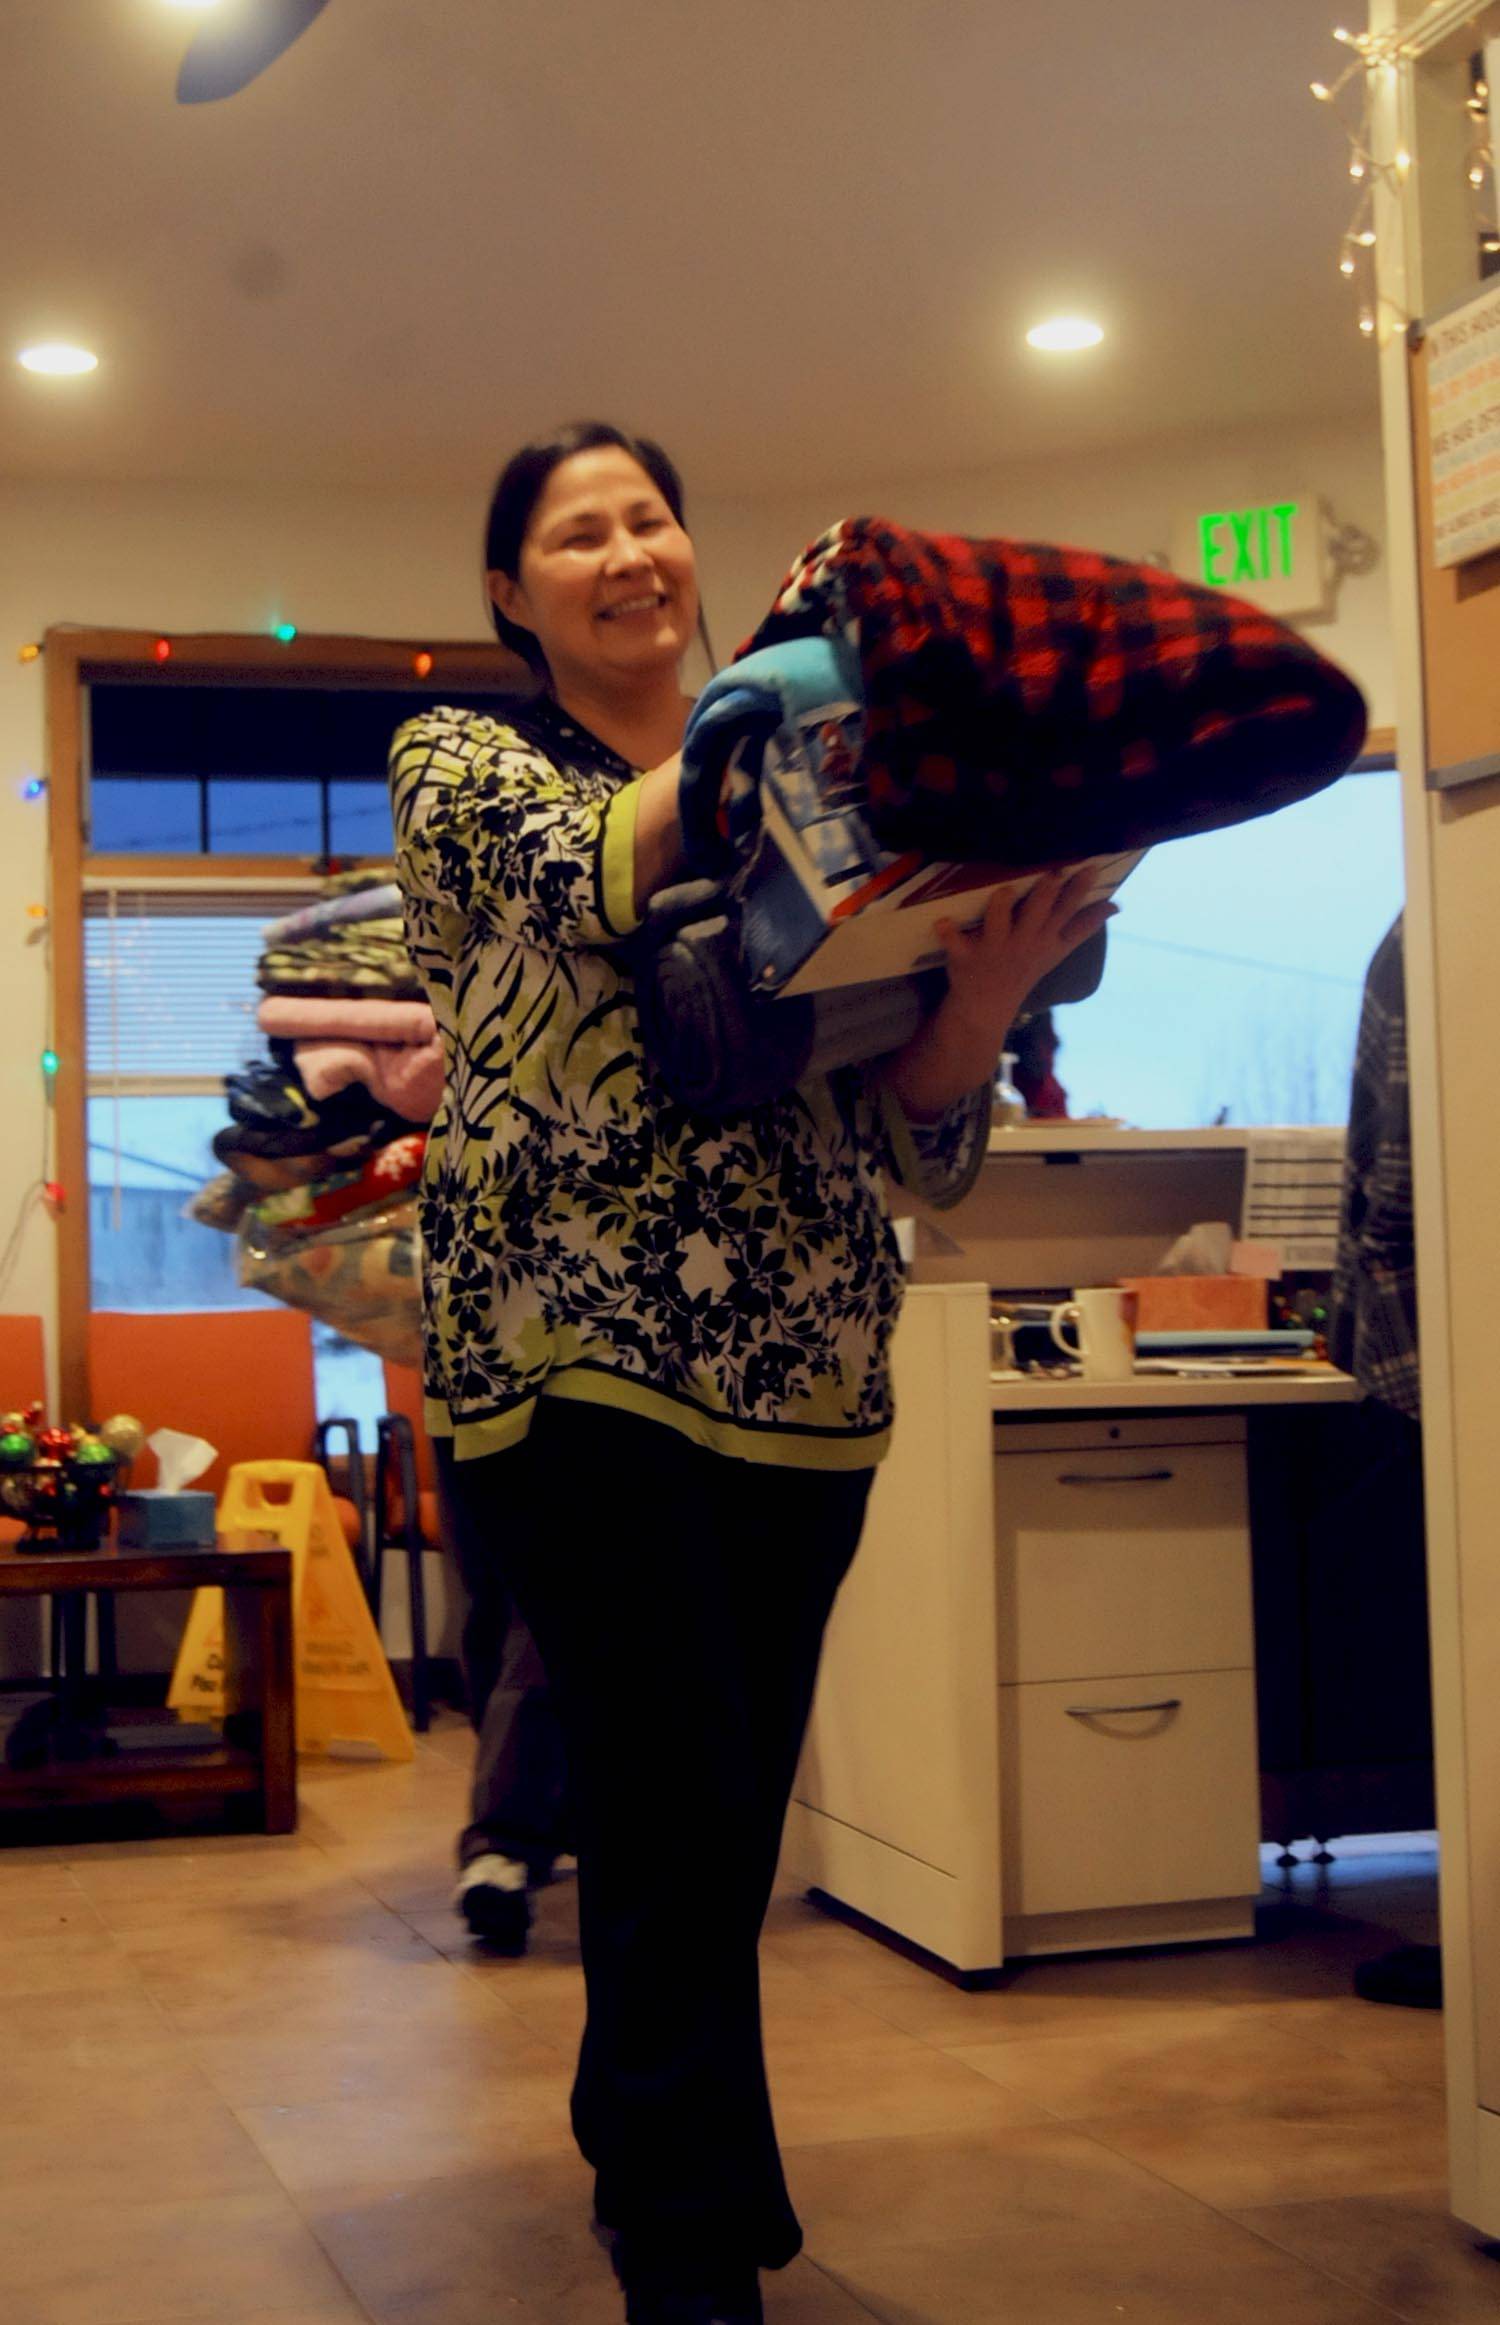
397,1525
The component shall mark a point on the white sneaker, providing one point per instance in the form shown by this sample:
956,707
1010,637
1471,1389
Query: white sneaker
492,1872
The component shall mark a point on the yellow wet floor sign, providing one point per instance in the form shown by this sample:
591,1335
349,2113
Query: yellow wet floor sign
344,1690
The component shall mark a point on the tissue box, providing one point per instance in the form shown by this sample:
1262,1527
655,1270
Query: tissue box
1199,1303
153,1520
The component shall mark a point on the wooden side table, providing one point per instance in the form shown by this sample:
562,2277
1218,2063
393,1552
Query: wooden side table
255,1762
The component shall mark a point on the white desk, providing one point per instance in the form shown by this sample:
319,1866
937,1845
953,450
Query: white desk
1016,1393
1039,1556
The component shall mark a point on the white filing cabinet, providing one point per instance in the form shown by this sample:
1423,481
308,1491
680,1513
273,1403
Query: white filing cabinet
1127,1682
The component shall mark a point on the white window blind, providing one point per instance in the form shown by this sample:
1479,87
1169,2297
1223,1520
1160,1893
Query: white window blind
169,980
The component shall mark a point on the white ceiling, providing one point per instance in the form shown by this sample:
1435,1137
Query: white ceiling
800,240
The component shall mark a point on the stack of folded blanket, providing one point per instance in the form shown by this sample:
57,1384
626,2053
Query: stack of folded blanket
324,1146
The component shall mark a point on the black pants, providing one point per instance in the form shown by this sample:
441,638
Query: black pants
678,1600
518,1803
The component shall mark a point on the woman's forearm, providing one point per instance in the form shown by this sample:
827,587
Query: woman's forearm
992,970
658,832
949,1057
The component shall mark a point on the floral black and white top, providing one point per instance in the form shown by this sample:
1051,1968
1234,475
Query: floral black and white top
583,1235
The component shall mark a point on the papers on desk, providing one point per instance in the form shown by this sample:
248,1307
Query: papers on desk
1294,1183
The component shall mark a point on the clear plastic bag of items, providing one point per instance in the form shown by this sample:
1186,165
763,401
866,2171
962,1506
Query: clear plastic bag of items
363,1276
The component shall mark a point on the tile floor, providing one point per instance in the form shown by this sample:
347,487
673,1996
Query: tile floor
259,2082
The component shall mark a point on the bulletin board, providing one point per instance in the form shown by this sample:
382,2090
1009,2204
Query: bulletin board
1460,631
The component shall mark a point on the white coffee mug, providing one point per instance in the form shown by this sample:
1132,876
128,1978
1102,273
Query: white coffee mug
1105,1324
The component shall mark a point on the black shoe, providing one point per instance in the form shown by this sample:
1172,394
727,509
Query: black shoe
653,2287
1411,1976
498,1912
737,2304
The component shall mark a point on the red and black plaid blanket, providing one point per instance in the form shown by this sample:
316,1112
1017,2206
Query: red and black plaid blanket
1035,704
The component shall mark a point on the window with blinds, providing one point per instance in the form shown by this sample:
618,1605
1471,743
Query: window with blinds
169,1010
169,981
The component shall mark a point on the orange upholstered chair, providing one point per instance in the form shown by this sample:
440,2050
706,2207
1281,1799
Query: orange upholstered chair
23,1378
241,1377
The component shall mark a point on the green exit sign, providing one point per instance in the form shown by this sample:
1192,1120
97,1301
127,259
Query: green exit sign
1236,546
1275,552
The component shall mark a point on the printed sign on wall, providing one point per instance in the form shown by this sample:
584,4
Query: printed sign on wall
1463,429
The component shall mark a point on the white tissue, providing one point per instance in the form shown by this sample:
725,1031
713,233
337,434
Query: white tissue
1205,1250
179,1458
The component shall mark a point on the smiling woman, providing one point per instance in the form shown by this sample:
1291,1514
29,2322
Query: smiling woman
560,509
655,1340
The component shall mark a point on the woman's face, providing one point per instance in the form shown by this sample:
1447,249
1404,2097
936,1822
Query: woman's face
608,584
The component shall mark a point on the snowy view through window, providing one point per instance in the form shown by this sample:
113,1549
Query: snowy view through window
1236,967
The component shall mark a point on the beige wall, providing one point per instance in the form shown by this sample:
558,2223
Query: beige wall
178,558
1124,503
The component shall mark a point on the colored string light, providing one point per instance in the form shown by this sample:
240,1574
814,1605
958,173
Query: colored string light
163,649
30,652
285,632
422,664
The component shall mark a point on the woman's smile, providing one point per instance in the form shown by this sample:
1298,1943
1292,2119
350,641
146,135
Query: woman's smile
649,602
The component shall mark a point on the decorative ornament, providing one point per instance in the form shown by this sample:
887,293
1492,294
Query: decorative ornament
93,1453
124,1435
59,1480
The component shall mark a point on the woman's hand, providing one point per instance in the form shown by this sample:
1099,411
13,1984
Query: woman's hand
991,970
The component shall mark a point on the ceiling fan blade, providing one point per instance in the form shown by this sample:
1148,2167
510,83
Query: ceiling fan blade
227,53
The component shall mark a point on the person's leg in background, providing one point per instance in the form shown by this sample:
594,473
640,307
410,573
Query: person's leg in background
678,1600
518,1808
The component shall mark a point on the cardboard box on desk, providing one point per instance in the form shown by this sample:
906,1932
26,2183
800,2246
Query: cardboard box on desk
1199,1303
153,1519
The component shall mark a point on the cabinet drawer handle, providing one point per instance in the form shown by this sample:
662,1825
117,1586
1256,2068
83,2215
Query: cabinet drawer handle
1115,1711
1118,1477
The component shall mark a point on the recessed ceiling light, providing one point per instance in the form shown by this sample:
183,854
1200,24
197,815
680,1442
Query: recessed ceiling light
1064,335
56,360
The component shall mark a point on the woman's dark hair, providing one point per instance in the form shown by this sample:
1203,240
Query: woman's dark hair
520,486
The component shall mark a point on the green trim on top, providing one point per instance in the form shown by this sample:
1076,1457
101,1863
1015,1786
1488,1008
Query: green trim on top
617,861
777,1448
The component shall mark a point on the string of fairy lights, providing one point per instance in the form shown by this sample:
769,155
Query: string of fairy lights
1375,58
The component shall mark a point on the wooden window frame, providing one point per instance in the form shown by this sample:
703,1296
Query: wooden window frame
76,659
